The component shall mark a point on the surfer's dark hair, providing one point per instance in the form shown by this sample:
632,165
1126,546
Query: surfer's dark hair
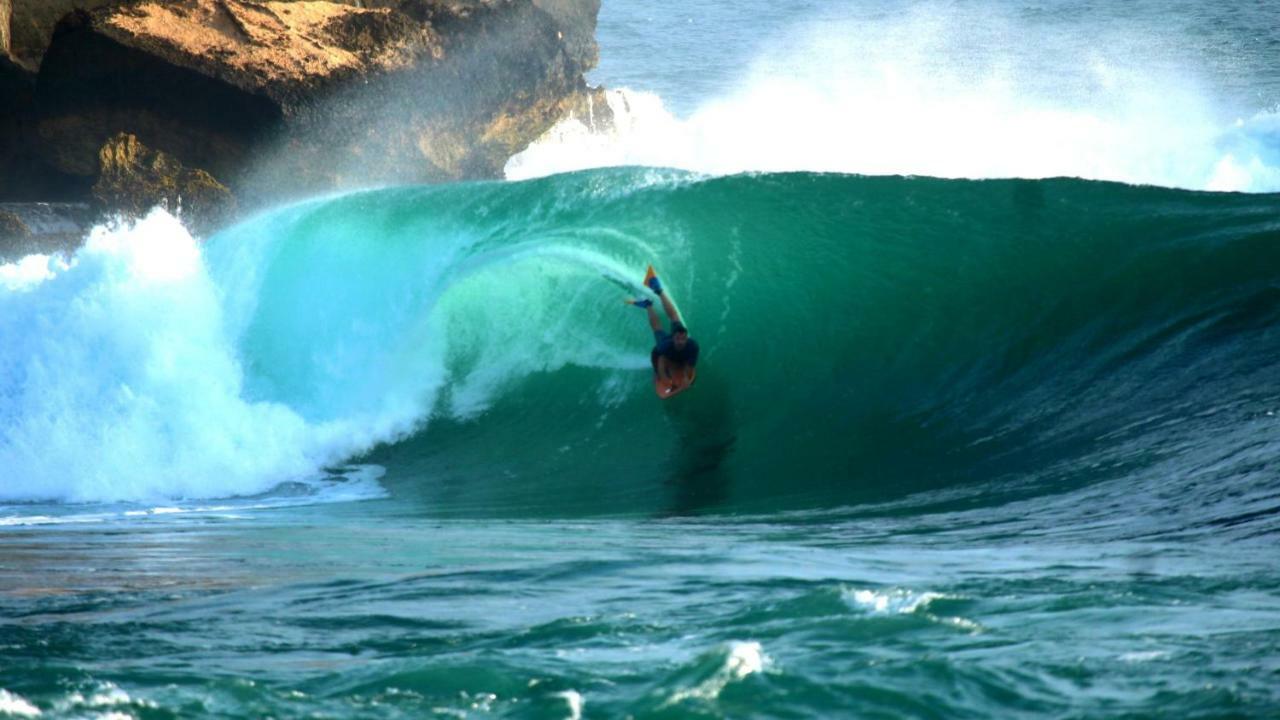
678,327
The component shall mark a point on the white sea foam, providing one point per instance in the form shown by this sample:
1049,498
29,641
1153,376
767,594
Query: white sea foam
30,271
914,95
105,700
899,601
574,700
15,705
740,659
1144,656
896,601
120,382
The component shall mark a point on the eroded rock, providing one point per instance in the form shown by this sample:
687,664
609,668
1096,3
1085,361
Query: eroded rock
6,12
281,98
134,179
32,23
12,227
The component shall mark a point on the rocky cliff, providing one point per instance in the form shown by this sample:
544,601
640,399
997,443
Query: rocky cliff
272,99
32,22
6,11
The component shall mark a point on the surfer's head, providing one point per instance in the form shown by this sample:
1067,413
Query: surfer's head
679,334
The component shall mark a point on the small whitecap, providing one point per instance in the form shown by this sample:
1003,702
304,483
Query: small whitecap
16,705
895,601
574,700
898,601
1144,656
741,659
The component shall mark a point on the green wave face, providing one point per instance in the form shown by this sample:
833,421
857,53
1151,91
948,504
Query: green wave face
864,340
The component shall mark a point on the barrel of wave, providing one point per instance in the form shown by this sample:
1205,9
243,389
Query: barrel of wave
859,335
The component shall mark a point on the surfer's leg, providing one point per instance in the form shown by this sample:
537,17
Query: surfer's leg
655,285
670,307
655,322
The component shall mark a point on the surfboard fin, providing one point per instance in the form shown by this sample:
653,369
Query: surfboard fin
651,280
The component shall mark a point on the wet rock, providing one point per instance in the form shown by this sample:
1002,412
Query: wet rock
12,227
133,179
44,228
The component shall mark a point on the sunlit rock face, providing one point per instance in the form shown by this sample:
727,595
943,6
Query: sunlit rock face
279,99
6,12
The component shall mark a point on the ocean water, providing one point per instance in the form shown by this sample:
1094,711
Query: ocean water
987,421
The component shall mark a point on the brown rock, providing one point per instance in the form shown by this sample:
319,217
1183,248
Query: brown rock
134,179
577,18
282,98
11,227
6,12
32,25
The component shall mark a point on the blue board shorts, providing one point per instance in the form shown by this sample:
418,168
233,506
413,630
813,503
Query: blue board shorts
661,339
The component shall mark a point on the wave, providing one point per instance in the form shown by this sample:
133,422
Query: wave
864,340
906,94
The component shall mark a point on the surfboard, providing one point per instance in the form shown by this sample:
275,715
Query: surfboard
670,388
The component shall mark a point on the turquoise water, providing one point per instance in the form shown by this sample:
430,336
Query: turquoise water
959,447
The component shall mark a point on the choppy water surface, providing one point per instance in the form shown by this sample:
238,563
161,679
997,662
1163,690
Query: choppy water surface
800,616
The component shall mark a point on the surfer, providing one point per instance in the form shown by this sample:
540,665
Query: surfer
674,354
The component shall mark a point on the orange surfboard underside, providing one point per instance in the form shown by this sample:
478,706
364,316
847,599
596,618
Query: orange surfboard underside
670,388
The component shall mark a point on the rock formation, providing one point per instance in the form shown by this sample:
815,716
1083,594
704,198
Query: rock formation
11,226
31,25
133,179
6,12
274,99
